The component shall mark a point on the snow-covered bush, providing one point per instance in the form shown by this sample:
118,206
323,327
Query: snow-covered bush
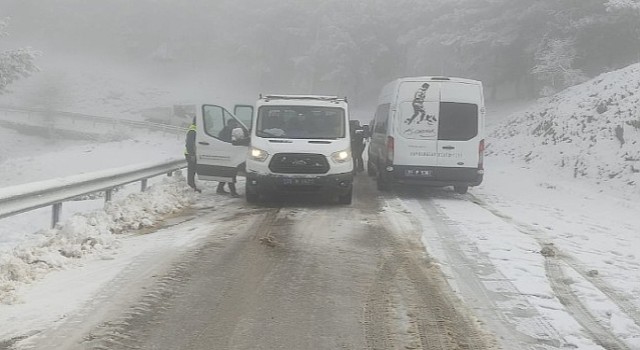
94,234
15,64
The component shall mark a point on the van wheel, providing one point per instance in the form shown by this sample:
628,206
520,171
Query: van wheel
347,198
383,183
461,189
371,171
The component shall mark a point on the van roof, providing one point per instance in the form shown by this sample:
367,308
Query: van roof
439,78
302,97
316,100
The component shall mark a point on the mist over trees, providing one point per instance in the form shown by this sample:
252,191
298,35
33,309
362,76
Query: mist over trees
518,48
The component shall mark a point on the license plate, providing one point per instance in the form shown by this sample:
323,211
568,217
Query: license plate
297,181
418,173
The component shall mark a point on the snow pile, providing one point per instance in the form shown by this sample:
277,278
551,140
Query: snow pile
589,131
89,235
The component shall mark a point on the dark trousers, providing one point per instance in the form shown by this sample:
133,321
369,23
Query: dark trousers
191,172
232,187
358,162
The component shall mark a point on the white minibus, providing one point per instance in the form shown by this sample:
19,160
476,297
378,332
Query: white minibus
428,131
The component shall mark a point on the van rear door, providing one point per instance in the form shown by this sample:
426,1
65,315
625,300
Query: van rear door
460,124
416,124
218,159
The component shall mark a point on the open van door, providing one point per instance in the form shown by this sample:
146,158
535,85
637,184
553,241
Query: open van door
218,158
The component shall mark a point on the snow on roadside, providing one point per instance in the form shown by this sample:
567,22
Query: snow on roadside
592,233
42,160
93,235
589,131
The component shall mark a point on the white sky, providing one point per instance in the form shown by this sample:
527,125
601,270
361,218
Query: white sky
488,243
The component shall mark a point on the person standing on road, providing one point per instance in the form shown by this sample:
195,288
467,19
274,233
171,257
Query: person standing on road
226,135
190,155
357,145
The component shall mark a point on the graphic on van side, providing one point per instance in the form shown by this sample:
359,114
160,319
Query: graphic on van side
418,110
418,130
418,107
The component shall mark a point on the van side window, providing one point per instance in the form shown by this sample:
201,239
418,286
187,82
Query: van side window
458,121
381,119
218,122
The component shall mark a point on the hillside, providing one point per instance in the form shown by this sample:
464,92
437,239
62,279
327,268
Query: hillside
589,131
86,84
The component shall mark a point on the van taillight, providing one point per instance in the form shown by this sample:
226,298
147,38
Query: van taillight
390,149
481,155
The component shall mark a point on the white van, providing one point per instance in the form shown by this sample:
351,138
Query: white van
300,144
428,131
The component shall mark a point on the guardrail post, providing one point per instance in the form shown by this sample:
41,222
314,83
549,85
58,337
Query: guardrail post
55,214
143,185
107,195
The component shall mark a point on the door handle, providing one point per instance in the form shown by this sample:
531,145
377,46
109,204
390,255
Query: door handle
448,147
204,143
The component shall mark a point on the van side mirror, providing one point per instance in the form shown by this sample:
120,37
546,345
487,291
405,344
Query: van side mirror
241,142
240,137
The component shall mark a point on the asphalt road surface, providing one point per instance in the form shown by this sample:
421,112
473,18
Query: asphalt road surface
287,275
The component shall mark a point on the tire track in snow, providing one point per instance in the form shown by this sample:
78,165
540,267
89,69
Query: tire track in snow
467,271
554,261
410,305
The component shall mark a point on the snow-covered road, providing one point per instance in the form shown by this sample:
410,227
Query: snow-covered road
544,263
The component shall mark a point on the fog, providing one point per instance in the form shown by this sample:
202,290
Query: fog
518,48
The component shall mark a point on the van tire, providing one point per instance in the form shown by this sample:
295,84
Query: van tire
461,189
347,198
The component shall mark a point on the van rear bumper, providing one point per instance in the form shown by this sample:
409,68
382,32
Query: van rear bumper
337,184
436,176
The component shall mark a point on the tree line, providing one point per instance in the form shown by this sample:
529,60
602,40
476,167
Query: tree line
518,48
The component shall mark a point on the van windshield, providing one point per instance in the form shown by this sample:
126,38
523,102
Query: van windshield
301,122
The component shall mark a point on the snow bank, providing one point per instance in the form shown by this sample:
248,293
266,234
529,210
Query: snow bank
589,131
90,235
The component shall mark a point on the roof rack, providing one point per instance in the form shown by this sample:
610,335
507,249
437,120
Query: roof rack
303,97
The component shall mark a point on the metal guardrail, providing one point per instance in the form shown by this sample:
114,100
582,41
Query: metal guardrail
26,197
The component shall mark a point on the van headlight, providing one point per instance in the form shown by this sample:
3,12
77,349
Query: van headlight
257,154
341,156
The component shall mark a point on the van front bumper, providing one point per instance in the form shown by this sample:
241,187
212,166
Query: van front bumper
336,184
435,176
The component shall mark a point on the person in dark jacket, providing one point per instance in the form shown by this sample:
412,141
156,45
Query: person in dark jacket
226,134
357,145
190,155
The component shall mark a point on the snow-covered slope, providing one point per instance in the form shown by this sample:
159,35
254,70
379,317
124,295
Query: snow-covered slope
589,131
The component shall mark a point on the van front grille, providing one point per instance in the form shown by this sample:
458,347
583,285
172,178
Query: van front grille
299,163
